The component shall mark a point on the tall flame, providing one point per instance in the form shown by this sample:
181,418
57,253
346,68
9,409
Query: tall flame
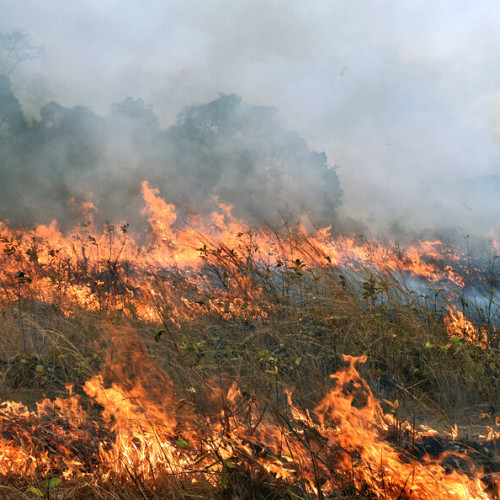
128,423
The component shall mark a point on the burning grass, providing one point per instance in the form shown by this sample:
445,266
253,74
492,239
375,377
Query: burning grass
214,360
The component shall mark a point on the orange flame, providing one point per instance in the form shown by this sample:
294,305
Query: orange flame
146,435
343,441
458,326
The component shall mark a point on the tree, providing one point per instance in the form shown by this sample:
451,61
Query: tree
225,148
12,120
16,47
135,117
244,155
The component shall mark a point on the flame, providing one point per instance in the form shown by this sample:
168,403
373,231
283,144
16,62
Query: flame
57,266
458,326
129,423
152,439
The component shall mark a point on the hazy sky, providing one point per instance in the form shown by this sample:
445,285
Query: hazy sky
404,97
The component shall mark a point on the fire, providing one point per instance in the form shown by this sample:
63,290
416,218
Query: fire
458,326
359,432
137,437
57,266
131,424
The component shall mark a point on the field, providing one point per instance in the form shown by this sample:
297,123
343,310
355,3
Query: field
213,360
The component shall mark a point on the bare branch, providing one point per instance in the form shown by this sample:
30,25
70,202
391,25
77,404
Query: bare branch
16,47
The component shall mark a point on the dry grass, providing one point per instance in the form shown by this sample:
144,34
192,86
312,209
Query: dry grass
292,334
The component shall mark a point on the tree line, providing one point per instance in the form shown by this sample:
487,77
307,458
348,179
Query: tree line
237,152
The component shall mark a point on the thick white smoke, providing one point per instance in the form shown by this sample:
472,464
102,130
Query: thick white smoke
402,96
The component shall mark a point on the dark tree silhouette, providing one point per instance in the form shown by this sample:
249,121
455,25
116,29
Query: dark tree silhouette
135,117
244,155
225,148
12,120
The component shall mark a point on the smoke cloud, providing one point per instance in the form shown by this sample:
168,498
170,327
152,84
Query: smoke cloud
402,97
222,151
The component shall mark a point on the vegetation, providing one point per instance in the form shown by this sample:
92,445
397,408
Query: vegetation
213,360
277,324
222,151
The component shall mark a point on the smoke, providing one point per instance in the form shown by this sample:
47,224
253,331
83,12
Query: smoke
222,151
402,97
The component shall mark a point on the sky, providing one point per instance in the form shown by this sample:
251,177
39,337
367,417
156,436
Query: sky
404,97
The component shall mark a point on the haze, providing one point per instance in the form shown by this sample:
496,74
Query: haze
403,97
